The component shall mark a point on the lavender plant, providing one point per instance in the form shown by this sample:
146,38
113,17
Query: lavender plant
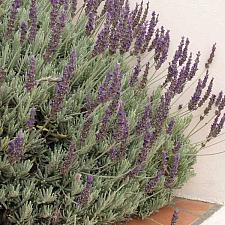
86,137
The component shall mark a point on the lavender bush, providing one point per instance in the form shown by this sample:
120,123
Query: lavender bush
86,135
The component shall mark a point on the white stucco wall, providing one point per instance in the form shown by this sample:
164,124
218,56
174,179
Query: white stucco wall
203,21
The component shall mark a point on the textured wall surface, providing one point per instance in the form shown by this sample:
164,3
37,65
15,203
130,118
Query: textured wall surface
203,21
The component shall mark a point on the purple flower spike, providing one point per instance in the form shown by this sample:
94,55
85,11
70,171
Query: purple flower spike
114,39
121,131
152,184
181,81
144,123
144,17
63,85
69,159
184,53
172,76
55,37
114,11
126,37
217,126
65,4
84,197
104,93
164,43
89,6
137,70
171,126
219,99
159,45
15,148
154,41
149,140
177,147
174,170
73,7
16,4
192,105
54,13
175,217
163,109
91,23
194,68
32,120
188,64
207,94
102,41
116,85
33,21
141,20
137,17
135,171
213,130
144,80
113,154
205,80
140,40
178,53
86,130
103,131
23,32
30,82
119,152
211,57
164,161
210,104
150,32
134,12
221,105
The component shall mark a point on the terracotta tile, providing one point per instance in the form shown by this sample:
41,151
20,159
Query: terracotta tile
165,214
195,207
141,222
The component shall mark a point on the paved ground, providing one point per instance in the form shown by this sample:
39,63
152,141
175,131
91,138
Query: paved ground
191,213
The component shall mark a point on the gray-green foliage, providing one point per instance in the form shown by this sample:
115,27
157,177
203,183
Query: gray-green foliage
32,191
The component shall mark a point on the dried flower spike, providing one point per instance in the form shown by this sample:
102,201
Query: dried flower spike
137,70
121,130
32,119
16,4
69,159
85,195
30,81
